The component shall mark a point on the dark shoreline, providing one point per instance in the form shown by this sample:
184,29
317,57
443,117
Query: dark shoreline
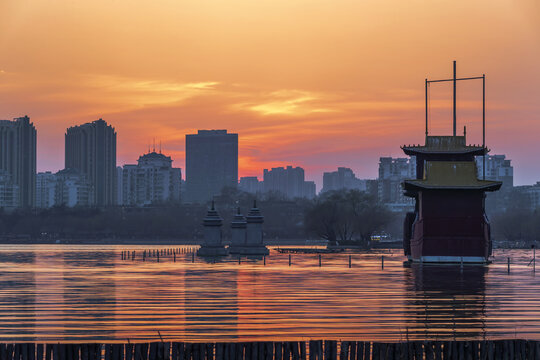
154,241
148,241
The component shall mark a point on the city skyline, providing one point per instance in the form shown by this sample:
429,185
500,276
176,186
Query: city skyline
319,183
334,83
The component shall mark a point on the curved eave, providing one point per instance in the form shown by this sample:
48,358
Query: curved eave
413,151
416,185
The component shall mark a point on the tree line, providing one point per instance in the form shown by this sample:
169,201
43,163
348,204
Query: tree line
339,217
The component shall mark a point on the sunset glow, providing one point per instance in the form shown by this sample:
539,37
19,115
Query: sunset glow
311,83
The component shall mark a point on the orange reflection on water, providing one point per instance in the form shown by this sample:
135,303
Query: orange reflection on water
88,293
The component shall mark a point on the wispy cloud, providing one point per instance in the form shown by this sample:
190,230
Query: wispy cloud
148,91
287,102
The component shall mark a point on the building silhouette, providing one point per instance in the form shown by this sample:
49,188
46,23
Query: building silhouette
9,192
211,164
498,168
343,178
45,189
153,180
289,182
392,171
68,187
251,184
72,189
91,149
17,162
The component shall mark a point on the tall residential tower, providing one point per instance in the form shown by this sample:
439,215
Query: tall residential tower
91,149
18,160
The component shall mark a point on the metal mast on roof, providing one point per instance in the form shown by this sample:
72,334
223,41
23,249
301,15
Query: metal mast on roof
455,80
454,98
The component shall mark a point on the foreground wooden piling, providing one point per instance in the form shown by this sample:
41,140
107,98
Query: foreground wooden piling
291,350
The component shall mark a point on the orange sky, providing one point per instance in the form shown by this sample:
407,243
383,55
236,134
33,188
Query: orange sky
313,83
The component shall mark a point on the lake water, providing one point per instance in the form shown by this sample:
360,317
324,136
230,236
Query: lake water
52,293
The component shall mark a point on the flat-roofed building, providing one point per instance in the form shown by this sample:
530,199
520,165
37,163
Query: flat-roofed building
211,164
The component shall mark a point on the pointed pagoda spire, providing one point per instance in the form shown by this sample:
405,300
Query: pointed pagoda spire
254,215
212,217
239,221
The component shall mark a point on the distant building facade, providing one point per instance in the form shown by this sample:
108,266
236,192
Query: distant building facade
211,164
18,161
527,196
289,182
498,168
251,184
392,172
153,180
91,149
73,189
67,187
9,192
341,179
45,190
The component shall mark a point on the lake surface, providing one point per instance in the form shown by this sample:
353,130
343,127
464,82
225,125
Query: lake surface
77,293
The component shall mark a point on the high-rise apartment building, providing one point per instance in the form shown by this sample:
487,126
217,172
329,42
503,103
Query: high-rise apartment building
91,149
153,180
18,159
289,182
211,164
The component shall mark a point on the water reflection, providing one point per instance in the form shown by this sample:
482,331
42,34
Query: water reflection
211,304
447,301
18,296
88,293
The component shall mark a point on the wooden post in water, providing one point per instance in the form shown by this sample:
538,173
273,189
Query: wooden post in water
320,262
158,256
264,260
289,259
509,265
534,258
349,261
192,257
382,262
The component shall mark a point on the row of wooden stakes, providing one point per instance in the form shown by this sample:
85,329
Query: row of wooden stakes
130,255
295,350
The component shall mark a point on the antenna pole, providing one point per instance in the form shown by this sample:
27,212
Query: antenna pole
484,125
454,97
426,108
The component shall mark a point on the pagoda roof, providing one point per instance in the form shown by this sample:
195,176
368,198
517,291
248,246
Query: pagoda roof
445,145
451,175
